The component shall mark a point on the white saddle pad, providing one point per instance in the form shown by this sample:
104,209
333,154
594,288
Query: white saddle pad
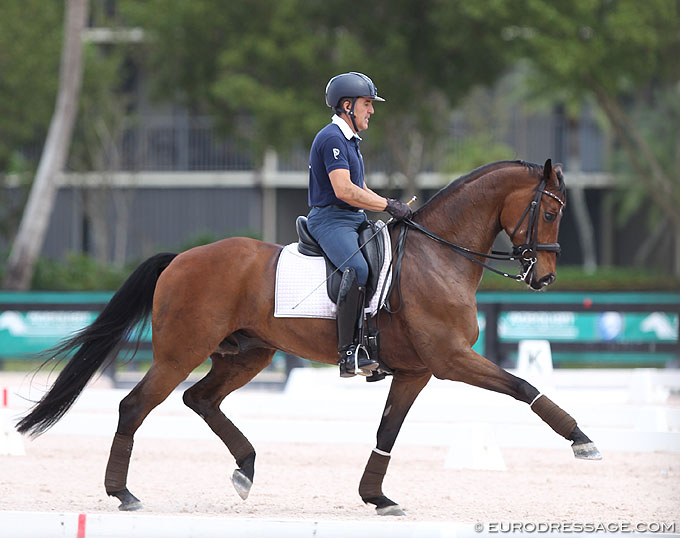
301,290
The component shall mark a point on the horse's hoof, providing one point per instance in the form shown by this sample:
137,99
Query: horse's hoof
242,484
384,506
586,451
392,510
128,502
130,506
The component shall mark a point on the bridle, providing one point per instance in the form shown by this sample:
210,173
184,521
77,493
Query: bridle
525,253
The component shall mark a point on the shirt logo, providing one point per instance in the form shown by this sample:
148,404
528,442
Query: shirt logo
336,152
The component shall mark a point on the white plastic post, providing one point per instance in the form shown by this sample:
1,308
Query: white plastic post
474,446
534,358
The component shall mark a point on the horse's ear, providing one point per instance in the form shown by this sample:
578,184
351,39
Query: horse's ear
547,169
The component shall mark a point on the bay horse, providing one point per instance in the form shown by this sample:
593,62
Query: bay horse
217,301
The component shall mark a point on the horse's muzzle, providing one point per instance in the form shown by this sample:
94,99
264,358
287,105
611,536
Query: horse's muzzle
542,282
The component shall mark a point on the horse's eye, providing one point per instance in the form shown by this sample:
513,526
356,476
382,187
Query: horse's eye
549,216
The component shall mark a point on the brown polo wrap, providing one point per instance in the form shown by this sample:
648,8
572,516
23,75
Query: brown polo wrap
371,482
232,437
558,419
115,478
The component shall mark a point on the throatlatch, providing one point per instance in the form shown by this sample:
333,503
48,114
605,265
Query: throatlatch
353,358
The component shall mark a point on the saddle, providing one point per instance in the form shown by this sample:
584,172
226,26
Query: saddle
372,249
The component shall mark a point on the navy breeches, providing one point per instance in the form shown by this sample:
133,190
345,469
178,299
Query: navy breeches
336,230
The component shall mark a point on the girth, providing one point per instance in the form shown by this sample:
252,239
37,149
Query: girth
373,251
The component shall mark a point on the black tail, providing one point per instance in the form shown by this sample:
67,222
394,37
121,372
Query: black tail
97,345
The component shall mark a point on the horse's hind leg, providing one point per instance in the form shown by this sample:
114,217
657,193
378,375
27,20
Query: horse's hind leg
228,373
157,384
478,371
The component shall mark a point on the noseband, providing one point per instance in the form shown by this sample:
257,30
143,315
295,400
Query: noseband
525,253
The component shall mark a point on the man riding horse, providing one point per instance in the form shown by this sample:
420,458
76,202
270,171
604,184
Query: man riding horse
338,195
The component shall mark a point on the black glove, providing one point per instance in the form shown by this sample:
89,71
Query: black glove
399,210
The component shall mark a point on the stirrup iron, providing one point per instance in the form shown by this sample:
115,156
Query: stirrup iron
356,361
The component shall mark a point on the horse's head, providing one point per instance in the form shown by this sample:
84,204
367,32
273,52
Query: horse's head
531,216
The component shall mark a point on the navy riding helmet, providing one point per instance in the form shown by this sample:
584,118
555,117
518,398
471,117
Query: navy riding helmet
351,85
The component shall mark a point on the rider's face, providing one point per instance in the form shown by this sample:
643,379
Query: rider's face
363,109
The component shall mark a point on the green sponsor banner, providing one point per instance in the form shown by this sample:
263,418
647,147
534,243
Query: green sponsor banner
31,332
626,327
34,331
23,333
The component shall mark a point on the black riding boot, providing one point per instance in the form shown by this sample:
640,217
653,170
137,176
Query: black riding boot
353,359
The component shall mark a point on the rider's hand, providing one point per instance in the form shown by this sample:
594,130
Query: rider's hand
399,210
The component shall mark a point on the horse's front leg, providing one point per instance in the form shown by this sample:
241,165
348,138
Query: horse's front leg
473,369
403,392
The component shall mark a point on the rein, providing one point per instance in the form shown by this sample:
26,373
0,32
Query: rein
470,254
525,252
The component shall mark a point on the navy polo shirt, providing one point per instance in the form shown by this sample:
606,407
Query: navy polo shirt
334,147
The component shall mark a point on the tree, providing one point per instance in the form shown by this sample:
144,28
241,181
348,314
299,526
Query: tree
255,66
96,149
38,210
29,63
427,55
623,55
261,66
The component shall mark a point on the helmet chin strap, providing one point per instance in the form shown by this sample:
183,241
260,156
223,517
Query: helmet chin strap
350,113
